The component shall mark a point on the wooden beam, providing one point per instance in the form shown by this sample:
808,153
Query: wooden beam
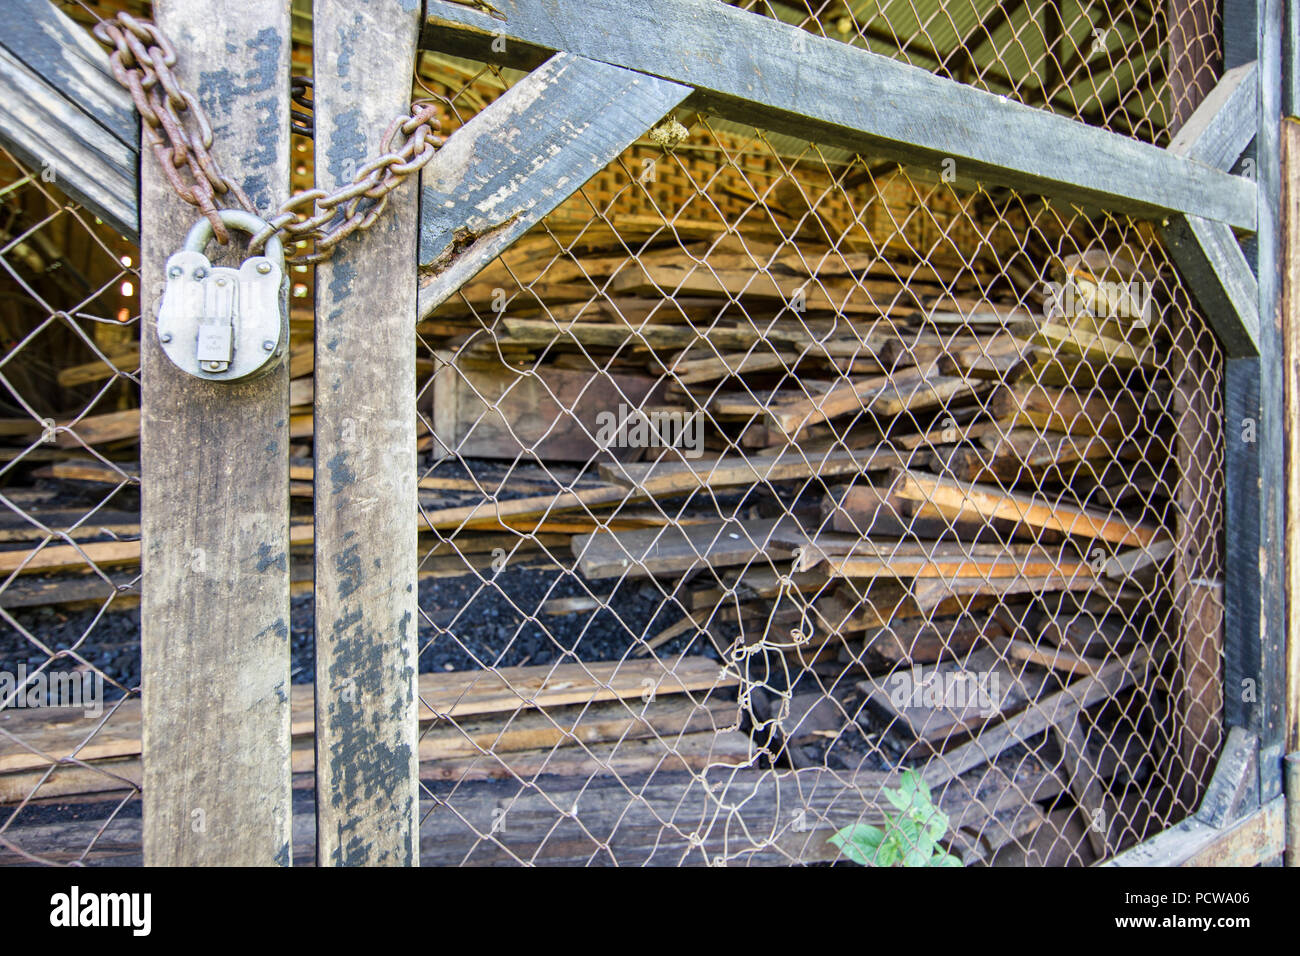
1053,710
525,154
367,768
1291,362
64,115
1266,667
1036,511
67,57
1210,261
761,72
36,738
214,457
1255,840
1234,789
1223,125
1208,256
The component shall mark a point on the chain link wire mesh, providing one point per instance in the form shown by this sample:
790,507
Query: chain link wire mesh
1130,67
757,475
69,654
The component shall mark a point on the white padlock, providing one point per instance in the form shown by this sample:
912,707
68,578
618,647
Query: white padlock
223,324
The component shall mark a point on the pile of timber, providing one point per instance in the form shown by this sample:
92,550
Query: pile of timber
901,465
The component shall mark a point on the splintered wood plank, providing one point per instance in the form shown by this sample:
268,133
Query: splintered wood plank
902,559
1093,348
1055,658
952,696
882,395
792,413
673,550
497,514
67,734
712,280
214,616
522,156
1039,715
672,477
634,755
990,502
496,411
1077,411
366,552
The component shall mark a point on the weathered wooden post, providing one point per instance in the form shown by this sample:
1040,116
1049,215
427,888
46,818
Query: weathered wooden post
214,469
367,800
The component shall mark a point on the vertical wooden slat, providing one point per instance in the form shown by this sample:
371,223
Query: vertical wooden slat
366,629
1269,721
1244,602
1291,360
214,466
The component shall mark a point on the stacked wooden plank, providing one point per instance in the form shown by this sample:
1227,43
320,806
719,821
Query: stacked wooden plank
894,464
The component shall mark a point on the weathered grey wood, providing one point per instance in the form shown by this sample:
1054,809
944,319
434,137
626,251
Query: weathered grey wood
1083,780
1038,716
67,128
1291,66
1290,293
1223,125
215,477
1255,840
1234,789
1207,253
366,629
1268,719
743,816
71,61
1214,268
1241,578
524,155
762,72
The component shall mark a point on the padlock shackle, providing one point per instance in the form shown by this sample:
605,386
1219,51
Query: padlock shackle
200,234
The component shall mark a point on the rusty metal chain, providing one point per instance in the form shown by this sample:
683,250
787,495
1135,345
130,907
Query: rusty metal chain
181,138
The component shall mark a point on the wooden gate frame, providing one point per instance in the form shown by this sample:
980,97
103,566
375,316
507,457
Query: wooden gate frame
602,73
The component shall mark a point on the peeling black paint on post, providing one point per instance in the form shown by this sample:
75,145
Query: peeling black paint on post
366,758
215,475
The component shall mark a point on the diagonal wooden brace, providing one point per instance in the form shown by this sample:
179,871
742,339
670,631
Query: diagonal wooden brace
1207,254
524,155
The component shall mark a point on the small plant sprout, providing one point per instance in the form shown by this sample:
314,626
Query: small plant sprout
909,838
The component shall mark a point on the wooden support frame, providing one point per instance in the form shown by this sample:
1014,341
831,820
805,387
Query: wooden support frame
63,113
730,62
1207,253
367,761
1265,714
524,155
740,66
1230,828
1254,840
214,467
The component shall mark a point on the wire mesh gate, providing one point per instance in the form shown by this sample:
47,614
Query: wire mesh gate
758,471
